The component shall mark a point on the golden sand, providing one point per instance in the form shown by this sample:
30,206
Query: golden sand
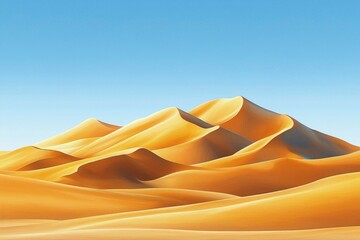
227,169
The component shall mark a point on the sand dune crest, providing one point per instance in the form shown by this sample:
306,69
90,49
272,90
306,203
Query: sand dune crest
227,169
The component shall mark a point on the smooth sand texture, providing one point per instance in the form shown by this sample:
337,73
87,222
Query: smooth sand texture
228,169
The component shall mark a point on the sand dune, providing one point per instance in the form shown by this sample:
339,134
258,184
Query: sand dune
263,177
293,142
299,208
228,169
205,148
241,116
324,204
122,171
47,200
245,118
87,129
171,132
29,158
167,125
72,146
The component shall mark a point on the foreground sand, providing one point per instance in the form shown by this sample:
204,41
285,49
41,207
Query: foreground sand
350,233
228,169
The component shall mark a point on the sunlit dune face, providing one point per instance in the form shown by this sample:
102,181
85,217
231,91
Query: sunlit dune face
227,169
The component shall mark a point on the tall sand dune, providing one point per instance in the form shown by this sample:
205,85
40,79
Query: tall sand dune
227,169
171,132
249,120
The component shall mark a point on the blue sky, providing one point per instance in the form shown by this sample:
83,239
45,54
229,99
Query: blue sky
64,61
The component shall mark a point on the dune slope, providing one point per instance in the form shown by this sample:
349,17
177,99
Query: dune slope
227,169
87,129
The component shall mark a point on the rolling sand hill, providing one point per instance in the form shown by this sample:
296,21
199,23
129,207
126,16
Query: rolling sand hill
227,169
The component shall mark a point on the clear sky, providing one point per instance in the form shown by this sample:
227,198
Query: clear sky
62,62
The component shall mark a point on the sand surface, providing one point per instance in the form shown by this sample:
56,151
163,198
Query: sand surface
227,169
